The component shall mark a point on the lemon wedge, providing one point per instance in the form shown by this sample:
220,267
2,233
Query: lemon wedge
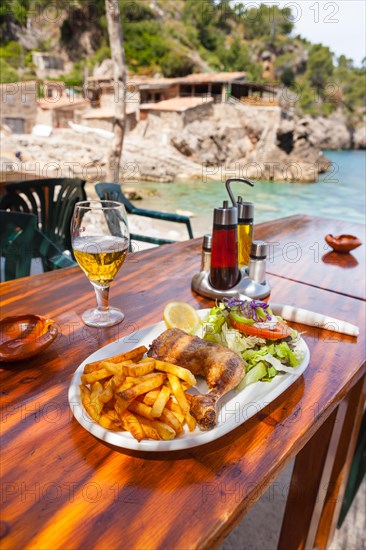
181,315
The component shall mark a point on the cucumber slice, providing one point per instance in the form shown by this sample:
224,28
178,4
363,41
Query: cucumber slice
240,319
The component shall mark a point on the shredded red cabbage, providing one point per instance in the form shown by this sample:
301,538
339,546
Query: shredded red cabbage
248,308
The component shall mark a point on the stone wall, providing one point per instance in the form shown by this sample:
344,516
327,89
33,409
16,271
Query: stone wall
19,106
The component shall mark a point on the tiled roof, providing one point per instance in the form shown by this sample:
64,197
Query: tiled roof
207,78
177,104
60,102
196,78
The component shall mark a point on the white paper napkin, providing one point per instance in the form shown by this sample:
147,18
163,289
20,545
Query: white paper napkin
305,317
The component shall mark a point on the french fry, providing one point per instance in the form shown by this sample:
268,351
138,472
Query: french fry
132,424
108,392
126,385
108,423
85,395
173,406
178,393
144,396
165,431
155,381
169,418
141,409
110,405
160,402
182,401
85,392
191,422
115,368
149,431
138,379
180,372
94,376
134,354
139,369
91,402
151,396
113,416
120,406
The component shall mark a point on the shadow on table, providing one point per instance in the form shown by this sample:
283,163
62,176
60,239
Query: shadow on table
345,261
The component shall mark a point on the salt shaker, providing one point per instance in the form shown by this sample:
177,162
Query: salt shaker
206,252
257,262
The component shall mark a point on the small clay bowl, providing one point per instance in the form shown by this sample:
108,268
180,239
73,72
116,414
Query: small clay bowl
23,336
343,243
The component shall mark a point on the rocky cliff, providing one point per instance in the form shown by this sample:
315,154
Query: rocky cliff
256,142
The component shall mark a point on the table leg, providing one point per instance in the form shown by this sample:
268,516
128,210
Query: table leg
342,465
319,477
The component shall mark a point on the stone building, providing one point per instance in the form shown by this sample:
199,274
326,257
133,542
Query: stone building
180,111
220,86
19,106
58,111
48,65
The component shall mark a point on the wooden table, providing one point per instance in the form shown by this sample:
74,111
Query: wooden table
62,488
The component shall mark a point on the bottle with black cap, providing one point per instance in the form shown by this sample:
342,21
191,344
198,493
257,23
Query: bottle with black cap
245,231
224,272
257,262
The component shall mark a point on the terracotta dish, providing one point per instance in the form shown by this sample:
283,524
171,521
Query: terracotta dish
23,336
343,243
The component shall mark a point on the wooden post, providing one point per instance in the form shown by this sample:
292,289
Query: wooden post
119,76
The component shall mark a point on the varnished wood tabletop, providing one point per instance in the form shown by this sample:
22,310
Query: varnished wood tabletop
62,488
299,252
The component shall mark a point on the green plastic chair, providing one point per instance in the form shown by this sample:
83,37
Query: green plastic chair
357,473
113,192
21,240
51,200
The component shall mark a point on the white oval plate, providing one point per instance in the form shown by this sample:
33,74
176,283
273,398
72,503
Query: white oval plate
234,408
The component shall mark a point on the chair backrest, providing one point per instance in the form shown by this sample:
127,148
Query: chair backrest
21,240
16,243
113,192
51,200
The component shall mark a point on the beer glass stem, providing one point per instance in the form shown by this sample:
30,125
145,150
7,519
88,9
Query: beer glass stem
102,295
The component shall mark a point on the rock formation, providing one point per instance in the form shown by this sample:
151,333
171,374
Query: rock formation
257,142
359,137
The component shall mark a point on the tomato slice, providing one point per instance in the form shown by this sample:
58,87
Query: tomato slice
280,331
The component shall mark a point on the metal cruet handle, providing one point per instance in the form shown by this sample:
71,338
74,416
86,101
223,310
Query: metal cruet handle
228,188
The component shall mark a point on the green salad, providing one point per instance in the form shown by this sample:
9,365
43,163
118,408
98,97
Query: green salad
266,343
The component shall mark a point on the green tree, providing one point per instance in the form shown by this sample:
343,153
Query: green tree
288,77
238,58
7,73
267,22
202,15
319,66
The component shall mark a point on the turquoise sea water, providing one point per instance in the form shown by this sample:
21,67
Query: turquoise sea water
340,193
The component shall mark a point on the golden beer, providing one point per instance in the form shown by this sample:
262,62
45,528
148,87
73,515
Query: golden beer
100,257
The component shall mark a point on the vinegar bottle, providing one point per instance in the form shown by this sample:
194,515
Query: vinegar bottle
224,271
245,231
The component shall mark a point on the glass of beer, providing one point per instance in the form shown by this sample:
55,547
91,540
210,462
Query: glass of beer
100,239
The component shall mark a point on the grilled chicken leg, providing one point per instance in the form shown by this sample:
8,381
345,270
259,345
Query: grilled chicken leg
222,368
